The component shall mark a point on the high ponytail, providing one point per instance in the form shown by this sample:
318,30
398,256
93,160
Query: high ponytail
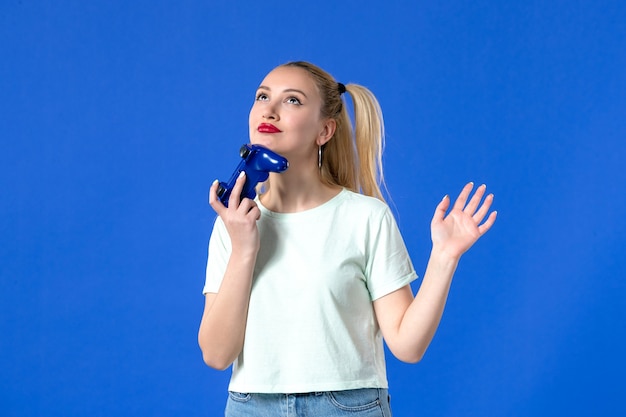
352,158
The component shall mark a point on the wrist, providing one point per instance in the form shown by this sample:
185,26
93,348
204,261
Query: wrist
443,256
244,256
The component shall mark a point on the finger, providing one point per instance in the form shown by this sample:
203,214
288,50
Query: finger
462,198
475,200
246,205
255,212
214,201
484,208
440,210
483,228
235,195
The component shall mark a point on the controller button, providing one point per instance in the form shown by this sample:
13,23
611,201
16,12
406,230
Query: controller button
244,152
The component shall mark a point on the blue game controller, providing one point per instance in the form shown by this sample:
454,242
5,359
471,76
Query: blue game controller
257,162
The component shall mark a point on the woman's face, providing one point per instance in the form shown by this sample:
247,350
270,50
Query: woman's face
285,116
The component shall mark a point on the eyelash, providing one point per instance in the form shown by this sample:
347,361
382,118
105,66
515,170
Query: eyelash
263,97
298,102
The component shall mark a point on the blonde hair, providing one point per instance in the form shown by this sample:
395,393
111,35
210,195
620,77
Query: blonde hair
353,157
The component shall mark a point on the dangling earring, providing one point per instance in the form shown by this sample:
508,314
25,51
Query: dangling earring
319,156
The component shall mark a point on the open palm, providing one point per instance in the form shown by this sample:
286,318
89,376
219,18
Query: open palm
456,232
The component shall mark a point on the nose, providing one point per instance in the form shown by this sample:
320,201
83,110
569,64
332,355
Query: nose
269,112
270,115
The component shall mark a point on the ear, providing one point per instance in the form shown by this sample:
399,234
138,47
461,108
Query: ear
328,130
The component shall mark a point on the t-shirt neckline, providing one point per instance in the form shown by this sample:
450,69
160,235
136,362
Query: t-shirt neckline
333,202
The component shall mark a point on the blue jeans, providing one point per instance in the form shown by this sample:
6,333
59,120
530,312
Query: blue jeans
365,402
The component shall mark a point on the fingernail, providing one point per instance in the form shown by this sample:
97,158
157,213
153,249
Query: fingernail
242,173
214,182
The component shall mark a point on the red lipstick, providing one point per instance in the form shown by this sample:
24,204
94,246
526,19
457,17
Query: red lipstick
268,128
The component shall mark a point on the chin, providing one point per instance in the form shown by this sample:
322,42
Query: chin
268,143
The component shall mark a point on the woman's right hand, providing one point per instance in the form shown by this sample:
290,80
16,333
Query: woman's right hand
239,217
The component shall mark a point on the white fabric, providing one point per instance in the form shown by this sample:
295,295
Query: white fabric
311,324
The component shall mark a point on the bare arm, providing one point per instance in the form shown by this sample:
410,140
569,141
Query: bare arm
223,323
409,323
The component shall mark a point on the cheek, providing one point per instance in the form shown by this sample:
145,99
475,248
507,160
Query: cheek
303,124
252,114
251,123
253,117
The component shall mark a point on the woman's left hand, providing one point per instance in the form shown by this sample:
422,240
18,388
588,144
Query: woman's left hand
455,233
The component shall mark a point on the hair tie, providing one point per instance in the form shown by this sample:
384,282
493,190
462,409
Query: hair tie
341,88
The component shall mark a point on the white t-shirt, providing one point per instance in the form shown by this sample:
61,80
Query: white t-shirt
311,325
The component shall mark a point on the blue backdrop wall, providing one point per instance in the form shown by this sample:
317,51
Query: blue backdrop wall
117,116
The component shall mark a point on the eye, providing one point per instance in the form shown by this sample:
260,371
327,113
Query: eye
262,97
293,100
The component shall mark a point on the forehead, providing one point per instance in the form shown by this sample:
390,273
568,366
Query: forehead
285,78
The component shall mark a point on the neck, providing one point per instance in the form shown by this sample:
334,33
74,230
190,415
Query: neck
293,191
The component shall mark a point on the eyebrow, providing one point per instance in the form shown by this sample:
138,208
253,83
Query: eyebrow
288,90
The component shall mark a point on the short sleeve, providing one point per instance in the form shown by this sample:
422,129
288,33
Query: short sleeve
389,265
217,259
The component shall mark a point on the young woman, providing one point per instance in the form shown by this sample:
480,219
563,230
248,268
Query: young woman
304,282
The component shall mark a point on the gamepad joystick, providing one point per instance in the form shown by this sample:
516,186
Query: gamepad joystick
257,162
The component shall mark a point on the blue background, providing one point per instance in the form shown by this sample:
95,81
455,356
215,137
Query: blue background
117,116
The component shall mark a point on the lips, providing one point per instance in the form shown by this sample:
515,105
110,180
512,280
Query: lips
268,128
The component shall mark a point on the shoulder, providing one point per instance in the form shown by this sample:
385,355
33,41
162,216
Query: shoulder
219,232
363,204
218,225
